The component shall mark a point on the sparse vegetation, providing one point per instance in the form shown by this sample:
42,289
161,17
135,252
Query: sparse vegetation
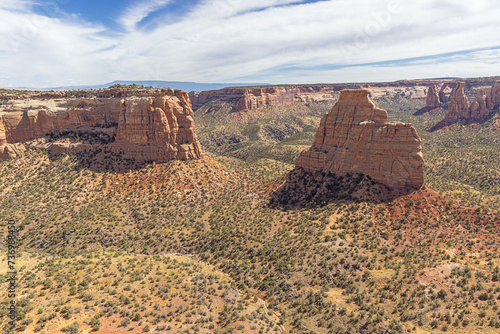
194,246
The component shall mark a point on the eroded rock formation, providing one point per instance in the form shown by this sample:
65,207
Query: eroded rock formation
355,141
355,137
260,98
494,95
459,109
446,91
244,98
432,100
158,128
155,126
479,107
257,98
8,150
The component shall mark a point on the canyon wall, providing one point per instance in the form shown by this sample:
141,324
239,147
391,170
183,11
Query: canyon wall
246,98
8,150
256,98
481,106
156,125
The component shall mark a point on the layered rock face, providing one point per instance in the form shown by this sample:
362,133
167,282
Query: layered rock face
158,127
494,95
355,138
479,107
446,91
458,107
432,100
261,98
256,98
25,125
8,150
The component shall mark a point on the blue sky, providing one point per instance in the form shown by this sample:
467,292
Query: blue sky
46,43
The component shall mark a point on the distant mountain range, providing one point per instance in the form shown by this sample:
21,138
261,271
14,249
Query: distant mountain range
197,86
186,86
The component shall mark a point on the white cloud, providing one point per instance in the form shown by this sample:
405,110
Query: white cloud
475,64
234,41
15,4
37,51
139,12
222,9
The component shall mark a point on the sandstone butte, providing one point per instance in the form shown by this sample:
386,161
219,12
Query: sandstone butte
355,137
458,107
433,100
154,125
452,97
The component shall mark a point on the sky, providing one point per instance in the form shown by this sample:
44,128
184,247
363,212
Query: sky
51,43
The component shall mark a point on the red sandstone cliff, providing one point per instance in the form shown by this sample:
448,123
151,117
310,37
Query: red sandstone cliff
8,150
433,100
245,98
357,153
479,107
256,98
158,127
446,91
355,137
494,95
459,109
